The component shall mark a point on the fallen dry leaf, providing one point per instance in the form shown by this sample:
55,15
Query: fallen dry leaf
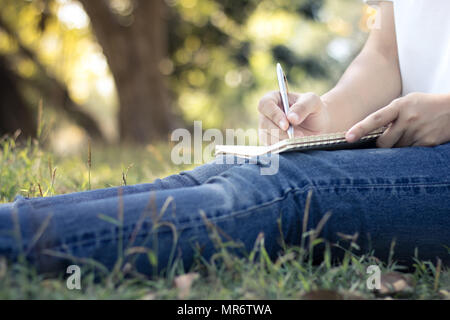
351,295
322,294
444,294
184,282
395,283
149,296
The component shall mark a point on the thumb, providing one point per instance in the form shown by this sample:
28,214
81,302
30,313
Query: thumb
305,105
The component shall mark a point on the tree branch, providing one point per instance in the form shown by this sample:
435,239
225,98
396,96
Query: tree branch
56,90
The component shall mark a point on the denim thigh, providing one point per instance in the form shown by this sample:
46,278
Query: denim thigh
380,195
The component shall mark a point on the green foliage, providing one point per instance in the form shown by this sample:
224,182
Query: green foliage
221,54
30,171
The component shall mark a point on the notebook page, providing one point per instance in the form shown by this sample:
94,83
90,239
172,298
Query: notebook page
322,141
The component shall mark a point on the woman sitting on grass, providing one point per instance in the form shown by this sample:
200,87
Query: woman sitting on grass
401,79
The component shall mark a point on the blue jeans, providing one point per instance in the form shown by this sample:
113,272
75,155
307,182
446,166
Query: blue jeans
380,195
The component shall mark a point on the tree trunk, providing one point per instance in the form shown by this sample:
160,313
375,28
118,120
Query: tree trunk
14,112
51,88
134,52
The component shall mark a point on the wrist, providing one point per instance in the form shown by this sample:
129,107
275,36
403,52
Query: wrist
327,127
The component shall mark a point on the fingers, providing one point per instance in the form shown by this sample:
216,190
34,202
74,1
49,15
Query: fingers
391,136
269,133
406,140
305,105
424,137
269,137
268,106
374,121
271,107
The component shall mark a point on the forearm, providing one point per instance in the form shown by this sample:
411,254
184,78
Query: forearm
371,82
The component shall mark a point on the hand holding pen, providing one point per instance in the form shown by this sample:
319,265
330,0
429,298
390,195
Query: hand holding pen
305,113
282,83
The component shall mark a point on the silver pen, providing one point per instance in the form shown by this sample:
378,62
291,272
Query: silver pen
282,83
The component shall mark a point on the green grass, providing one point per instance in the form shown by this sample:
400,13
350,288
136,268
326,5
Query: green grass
30,171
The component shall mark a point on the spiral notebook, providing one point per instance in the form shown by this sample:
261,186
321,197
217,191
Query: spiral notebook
333,141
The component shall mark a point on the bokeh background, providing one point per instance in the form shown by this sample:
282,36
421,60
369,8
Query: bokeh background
131,71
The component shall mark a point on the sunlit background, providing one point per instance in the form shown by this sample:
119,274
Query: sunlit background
215,59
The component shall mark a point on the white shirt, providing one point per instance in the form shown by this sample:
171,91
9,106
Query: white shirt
423,39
